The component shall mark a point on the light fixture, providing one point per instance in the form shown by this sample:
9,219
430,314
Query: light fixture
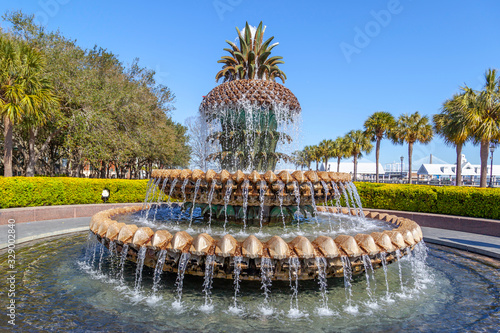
105,195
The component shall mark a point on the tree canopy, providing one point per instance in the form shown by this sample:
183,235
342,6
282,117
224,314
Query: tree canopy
111,117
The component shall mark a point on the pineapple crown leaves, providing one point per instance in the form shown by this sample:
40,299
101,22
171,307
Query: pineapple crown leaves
251,59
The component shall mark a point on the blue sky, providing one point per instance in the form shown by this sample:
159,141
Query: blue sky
344,59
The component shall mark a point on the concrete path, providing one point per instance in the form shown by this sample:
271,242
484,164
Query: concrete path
28,231
475,243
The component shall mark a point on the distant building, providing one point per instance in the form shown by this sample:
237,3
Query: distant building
366,170
470,172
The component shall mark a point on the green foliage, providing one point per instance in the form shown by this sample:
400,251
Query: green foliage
44,191
449,200
110,114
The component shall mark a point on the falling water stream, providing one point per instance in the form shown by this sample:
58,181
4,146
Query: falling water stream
236,282
141,255
123,258
281,186
196,188
245,189
346,265
262,192
266,271
207,283
158,270
324,309
210,199
181,269
227,196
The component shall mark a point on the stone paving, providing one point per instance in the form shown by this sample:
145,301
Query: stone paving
480,244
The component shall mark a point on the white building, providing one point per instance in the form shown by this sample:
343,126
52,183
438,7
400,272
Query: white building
366,170
470,172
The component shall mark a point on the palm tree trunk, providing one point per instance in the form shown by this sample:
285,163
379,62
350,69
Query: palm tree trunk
410,156
338,164
355,167
458,180
30,168
7,154
326,163
484,163
377,155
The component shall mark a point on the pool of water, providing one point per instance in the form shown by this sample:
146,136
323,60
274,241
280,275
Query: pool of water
174,219
60,288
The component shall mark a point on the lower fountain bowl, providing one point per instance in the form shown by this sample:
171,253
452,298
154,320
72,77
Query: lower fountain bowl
191,253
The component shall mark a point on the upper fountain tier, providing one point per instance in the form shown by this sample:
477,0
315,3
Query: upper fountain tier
250,197
263,93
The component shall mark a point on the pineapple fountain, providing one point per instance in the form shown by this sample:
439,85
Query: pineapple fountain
211,215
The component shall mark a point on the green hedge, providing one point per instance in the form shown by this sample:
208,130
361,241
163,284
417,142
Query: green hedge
45,191
450,200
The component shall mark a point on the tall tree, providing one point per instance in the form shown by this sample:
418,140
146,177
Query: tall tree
378,126
299,159
339,150
452,126
325,149
316,155
309,155
110,116
25,91
357,142
483,116
410,129
201,148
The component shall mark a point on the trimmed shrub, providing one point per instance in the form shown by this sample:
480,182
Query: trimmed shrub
450,200
49,191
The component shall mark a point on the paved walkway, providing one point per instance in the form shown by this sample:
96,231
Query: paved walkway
475,243
29,231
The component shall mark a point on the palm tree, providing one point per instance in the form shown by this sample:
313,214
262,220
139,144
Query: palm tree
299,159
308,155
325,148
452,126
410,129
339,150
251,59
24,91
356,143
378,126
316,155
482,116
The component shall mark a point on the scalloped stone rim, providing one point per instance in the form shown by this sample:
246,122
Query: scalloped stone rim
403,238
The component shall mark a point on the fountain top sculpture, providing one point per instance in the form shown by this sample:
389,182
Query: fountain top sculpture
249,113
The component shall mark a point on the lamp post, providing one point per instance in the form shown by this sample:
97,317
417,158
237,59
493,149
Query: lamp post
402,158
492,149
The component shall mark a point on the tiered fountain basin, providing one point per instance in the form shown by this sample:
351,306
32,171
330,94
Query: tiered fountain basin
339,253
249,198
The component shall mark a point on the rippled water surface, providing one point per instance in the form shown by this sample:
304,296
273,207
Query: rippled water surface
174,219
60,289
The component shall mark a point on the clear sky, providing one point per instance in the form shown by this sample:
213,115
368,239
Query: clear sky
344,59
